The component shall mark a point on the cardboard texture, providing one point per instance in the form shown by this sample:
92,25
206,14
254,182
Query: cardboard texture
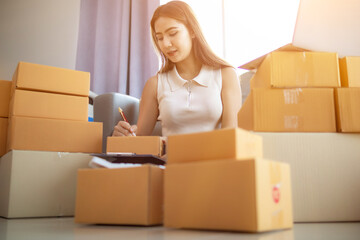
5,88
350,71
347,102
325,173
297,69
140,145
42,134
43,78
3,135
219,144
251,195
48,105
131,196
289,110
39,184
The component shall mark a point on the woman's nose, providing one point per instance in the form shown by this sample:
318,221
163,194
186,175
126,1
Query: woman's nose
167,42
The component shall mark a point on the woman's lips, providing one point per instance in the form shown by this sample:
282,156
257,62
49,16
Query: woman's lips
171,53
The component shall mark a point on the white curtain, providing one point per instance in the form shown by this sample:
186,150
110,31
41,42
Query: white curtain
114,44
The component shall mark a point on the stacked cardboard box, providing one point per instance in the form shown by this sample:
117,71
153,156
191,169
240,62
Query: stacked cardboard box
218,180
131,195
48,137
292,106
292,91
48,111
5,87
347,98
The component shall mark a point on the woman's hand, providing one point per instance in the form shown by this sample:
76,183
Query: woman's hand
124,129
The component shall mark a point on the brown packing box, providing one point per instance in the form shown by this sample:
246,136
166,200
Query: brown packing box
39,184
289,110
131,196
325,171
350,71
250,195
5,87
42,134
347,102
48,105
219,144
140,145
51,79
297,69
3,135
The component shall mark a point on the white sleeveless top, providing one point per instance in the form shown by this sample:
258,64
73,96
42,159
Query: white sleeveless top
190,106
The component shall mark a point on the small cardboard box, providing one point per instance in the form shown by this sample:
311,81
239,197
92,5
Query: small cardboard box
297,69
26,103
250,195
3,135
43,78
140,145
218,144
131,196
42,134
325,175
289,110
39,184
347,102
350,71
5,89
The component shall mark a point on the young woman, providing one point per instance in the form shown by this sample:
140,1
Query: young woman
194,90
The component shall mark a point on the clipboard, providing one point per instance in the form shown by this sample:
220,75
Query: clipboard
130,158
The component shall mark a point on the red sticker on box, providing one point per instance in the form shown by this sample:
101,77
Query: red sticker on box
276,194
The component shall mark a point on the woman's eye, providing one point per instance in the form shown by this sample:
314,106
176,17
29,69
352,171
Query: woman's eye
159,38
173,34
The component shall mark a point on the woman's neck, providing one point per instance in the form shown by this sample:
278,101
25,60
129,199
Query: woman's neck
189,68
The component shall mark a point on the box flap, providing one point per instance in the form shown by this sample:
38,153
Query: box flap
254,64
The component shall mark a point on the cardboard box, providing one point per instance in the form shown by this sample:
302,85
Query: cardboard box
289,110
131,196
26,103
39,184
42,134
219,144
249,195
350,71
3,135
43,78
5,88
297,69
140,145
325,173
347,102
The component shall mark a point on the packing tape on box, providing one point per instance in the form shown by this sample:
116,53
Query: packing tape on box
292,96
292,122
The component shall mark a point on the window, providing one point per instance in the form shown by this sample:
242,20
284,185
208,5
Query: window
240,31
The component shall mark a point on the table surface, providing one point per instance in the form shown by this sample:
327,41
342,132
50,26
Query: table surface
64,228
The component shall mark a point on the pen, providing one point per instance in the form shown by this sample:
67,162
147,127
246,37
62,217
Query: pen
123,116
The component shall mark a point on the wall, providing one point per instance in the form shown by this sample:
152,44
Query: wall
38,31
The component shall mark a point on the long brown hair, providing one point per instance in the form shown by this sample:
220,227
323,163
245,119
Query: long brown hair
182,12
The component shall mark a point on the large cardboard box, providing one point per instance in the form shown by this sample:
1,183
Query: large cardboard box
3,135
140,145
26,103
289,110
131,196
250,195
325,173
43,78
347,102
39,184
297,69
42,134
219,144
350,71
5,88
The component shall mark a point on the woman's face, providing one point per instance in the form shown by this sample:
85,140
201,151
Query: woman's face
173,38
